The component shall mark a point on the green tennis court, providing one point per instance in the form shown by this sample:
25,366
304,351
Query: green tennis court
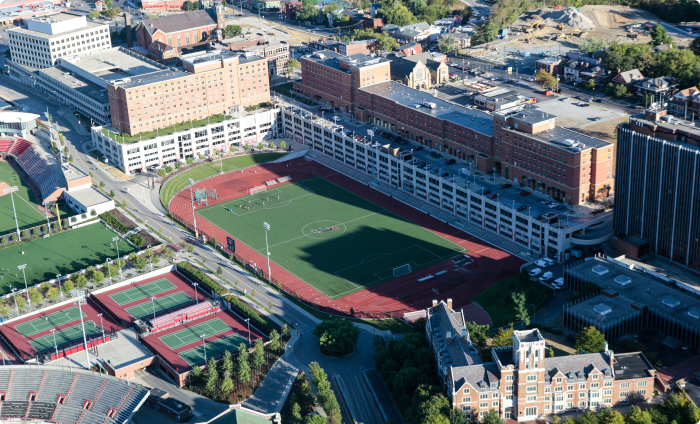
164,303
142,292
331,238
65,336
48,322
61,253
215,349
192,334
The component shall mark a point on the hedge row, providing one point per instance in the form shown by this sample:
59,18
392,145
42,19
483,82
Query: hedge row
200,277
262,322
114,223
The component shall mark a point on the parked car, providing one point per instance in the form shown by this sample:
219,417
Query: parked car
560,207
597,118
575,253
444,174
506,185
535,272
485,192
450,161
521,208
552,205
493,196
546,276
548,261
598,100
559,282
563,99
524,193
419,148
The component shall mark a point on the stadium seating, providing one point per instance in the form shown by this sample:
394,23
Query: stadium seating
37,169
182,315
6,145
56,394
20,147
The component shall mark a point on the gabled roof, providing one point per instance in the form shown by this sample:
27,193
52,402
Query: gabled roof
662,47
476,376
584,363
180,22
458,352
688,93
629,76
654,83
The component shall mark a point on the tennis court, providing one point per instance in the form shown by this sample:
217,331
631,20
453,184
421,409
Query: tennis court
65,336
214,349
171,301
48,322
192,334
142,292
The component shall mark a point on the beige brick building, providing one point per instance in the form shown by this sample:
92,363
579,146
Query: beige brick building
217,82
521,382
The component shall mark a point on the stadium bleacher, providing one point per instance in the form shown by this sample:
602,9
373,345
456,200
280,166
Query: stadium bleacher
19,147
182,315
33,164
55,394
6,145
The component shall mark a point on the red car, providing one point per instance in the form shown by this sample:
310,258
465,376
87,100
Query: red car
493,196
524,193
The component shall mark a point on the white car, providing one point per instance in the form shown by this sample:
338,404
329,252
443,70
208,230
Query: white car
552,205
563,99
548,261
535,272
337,117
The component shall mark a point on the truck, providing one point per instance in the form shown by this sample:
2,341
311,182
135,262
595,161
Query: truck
546,276
535,272
548,92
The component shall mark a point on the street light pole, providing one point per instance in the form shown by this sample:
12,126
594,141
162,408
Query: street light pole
205,348
78,296
14,290
116,243
248,321
266,226
53,331
153,302
149,256
58,280
196,297
102,327
109,270
29,301
46,211
194,219
12,198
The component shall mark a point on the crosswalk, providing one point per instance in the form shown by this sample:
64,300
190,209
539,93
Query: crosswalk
496,240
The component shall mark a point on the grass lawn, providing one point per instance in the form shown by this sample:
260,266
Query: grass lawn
28,214
62,253
498,302
212,168
284,89
334,240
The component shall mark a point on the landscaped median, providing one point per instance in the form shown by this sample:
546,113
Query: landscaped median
208,169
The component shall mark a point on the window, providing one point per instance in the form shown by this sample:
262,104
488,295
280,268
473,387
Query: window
570,387
607,392
570,396
466,408
559,389
625,385
558,379
465,391
466,399
582,404
532,410
569,405
559,399
546,407
509,397
608,401
642,392
495,396
484,396
483,404
531,378
481,414
531,398
594,376
547,389
494,404
509,378
509,388
624,394
607,384
582,395
531,389
642,383
594,385
582,387
595,394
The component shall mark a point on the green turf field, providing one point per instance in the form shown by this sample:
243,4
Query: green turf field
48,322
498,302
214,349
193,333
161,304
62,253
67,335
329,237
142,292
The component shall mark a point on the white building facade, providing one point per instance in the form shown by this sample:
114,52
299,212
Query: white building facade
48,38
242,129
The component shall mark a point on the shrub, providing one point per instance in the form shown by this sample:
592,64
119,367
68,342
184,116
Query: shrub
168,169
112,221
137,239
161,173
199,276
248,312
23,234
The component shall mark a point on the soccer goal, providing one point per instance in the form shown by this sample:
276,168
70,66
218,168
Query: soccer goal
257,189
402,270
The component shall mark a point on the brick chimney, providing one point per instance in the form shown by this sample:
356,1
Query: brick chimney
449,303
434,303
448,336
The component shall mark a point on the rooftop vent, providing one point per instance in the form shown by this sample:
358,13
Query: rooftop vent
694,313
623,280
599,270
602,309
670,301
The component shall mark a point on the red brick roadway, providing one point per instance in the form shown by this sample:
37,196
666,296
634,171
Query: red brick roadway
393,297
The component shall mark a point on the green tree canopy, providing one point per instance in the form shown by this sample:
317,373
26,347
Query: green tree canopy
491,417
232,31
545,78
659,35
504,337
394,12
447,43
590,340
337,336
592,45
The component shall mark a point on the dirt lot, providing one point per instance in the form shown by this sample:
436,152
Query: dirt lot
608,21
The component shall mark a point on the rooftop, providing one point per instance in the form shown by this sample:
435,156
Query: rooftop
76,82
660,266
405,96
180,21
89,197
672,125
631,365
332,59
38,34
528,336
27,9
636,287
577,366
72,172
604,312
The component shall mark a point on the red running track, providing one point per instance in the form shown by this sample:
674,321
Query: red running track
397,296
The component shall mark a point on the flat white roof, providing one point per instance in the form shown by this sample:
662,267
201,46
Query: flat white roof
13,117
89,197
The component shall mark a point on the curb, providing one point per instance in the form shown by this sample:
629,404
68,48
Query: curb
344,396
374,396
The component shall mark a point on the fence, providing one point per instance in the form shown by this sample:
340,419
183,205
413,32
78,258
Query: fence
399,313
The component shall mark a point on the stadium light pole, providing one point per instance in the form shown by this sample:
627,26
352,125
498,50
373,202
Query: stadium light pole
248,321
196,297
192,200
153,302
14,293
149,256
29,301
60,289
55,346
46,211
205,348
109,269
78,297
266,226
116,243
12,190
102,327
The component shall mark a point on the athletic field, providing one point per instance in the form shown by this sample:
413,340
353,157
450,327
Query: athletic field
142,292
48,322
65,336
172,301
332,239
214,349
193,333
62,253
28,214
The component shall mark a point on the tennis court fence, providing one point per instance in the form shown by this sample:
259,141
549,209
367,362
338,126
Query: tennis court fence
248,263
74,346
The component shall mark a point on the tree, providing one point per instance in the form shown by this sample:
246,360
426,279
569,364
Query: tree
296,413
212,375
592,45
189,160
258,354
67,286
589,85
274,341
140,262
243,367
260,145
227,362
457,416
491,417
478,333
659,35
466,13
35,296
227,385
109,3
167,253
19,301
314,419
695,46
89,272
394,12
616,90
447,43
232,31
196,375
627,56
79,280
161,173
551,352
4,307
188,5
283,145
94,14
111,194
337,336
545,78
521,308
98,277
219,271
51,293
504,337
590,340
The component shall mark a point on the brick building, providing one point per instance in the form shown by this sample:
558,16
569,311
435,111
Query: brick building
216,82
183,29
521,382
335,79
345,48
277,55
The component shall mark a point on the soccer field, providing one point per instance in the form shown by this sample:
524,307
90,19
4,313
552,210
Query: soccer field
28,214
332,239
171,301
62,253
